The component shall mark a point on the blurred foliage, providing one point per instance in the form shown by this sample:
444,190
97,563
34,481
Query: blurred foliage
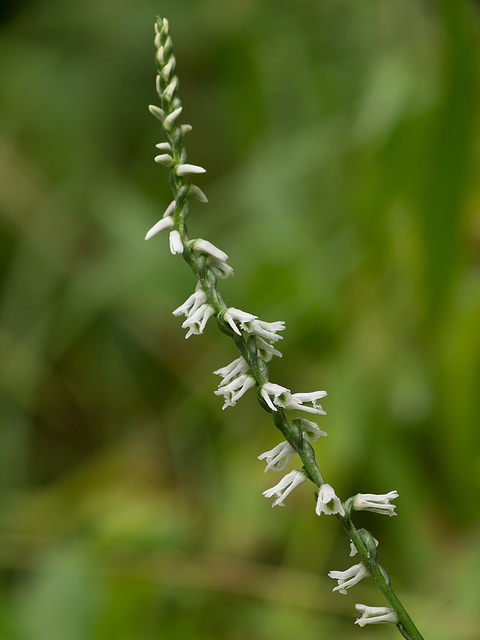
341,141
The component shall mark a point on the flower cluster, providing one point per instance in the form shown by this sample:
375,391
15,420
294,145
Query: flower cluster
256,340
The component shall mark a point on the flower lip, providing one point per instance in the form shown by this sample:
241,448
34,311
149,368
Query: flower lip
328,502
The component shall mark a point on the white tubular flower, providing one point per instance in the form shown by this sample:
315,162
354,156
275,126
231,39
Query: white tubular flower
286,485
353,548
266,330
186,128
164,146
235,389
170,119
189,169
235,368
311,431
348,578
192,303
169,211
176,244
375,615
204,246
168,93
274,394
220,268
164,159
231,315
278,457
161,225
378,503
196,322
297,401
328,502
157,112
265,350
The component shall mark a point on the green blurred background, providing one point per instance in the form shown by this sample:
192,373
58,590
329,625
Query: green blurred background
341,142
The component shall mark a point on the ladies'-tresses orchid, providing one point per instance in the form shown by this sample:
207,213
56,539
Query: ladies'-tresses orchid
233,315
348,578
242,374
196,322
328,502
204,246
378,503
375,615
278,396
235,389
194,302
278,457
286,485
235,368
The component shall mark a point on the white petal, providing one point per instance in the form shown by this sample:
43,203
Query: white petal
188,169
161,225
204,246
165,159
164,146
157,112
170,119
176,244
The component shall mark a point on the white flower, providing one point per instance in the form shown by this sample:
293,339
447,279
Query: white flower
196,322
311,431
204,246
297,401
161,225
266,330
164,159
157,112
235,368
176,245
348,578
278,457
328,502
235,389
274,394
265,350
192,303
375,615
219,267
170,119
231,315
164,146
168,93
378,503
188,169
286,485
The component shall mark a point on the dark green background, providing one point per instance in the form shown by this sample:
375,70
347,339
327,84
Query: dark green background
341,142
